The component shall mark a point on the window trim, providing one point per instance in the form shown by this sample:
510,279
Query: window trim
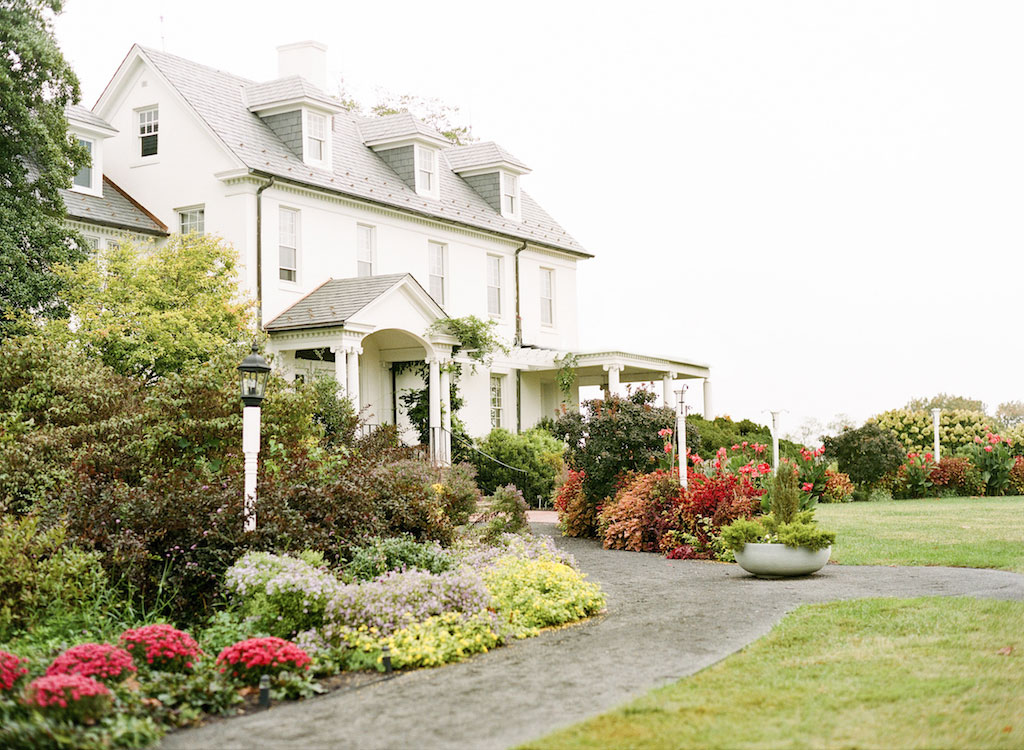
307,136
154,133
515,210
500,285
372,248
181,212
496,387
550,273
93,188
444,271
433,189
296,240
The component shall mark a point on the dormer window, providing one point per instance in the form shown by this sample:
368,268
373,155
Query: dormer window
509,195
316,137
426,170
84,177
149,130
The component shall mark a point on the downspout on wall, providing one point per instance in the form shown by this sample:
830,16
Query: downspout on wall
518,342
259,252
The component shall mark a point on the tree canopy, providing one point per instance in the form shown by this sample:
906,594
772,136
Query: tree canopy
945,401
37,160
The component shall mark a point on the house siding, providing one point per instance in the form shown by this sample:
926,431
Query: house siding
288,127
488,186
403,161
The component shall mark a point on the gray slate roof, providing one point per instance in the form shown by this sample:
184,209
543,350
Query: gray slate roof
398,125
87,117
335,301
478,155
285,90
219,99
115,209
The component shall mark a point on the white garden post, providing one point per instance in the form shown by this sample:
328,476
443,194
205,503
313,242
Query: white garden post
775,440
681,434
253,373
935,428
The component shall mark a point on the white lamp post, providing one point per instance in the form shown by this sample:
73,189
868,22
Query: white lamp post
252,376
775,440
935,429
681,434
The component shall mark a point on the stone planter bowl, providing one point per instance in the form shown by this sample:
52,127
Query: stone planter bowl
780,561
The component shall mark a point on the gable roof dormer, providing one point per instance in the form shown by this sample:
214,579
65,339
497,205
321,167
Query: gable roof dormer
410,147
91,130
493,173
299,113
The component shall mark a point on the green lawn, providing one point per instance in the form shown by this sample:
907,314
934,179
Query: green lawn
965,532
872,673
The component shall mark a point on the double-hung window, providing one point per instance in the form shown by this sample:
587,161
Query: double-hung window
494,284
497,386
84,177
192,220
427,172
316,137
438,265
364,250
149,130
547,296
288,244
510,194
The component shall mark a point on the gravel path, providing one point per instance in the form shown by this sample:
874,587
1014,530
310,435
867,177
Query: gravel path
666,619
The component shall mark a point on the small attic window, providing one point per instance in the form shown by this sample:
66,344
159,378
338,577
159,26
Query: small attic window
316,149
426,171
149,130
509,195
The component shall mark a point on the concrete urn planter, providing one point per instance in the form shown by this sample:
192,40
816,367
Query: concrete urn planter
780,561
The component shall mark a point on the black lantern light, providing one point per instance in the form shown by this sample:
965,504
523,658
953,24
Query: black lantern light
252,376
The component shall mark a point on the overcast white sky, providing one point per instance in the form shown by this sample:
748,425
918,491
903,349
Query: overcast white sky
823,200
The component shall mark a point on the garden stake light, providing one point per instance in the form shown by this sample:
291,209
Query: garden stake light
935,428
265,691
252,376
386,657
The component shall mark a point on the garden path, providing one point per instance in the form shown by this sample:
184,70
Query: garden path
666,619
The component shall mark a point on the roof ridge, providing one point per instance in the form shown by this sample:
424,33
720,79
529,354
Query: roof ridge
151,50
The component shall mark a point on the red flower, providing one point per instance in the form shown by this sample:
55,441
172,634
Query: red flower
254,657
807,486
11,670
99,660
162,647
668,447
75,695
988,448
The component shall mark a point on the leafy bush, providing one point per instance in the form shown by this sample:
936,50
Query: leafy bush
956,475
914,477
161,647
506,513
709,503
994,461
1017,476
576,517
640,514
799,532
43,577
610,438
915,432
536,452
866,454
246,661
101,661
532,594
838,487
397,553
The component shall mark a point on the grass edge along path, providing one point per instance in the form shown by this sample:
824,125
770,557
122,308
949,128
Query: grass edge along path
869,673
965,532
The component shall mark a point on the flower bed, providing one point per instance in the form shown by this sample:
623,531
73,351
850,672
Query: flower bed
97,660
71,696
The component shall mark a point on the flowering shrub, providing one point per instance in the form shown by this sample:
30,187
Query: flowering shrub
246,661
993,458
98,660
914,477
1017,476
161,647
478,556
838,487
397,553
915,431
639,515
811,472
532,594
710,503
397,599
956,475
72,696
440,639
576,516
11,670
284,595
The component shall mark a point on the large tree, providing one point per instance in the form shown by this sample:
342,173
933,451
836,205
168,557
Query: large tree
37,159
945,401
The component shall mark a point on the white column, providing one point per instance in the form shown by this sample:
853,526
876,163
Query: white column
935,428
446,415
709,412
613,377
251,451
681,435
340,368
434,394
353,375
666,390
775,440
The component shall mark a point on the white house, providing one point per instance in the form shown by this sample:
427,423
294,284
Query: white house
356,234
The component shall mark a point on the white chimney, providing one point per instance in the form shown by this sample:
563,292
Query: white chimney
306,59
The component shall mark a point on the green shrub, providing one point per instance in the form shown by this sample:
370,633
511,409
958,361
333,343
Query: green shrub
505,515
44,577
422,500
956,476
994,462
531,594
866,454
915,432
397,553
799,532
722,432
536,452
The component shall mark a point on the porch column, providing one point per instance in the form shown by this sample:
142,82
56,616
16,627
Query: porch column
434,395
709,412
446,416
353,375
340,369
613,377
667,399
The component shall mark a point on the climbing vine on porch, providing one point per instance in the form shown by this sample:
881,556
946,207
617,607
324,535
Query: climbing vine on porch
478,339
566,374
